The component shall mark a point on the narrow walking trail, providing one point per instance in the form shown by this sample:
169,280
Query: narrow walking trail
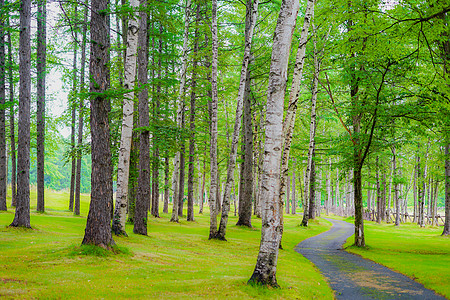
353,277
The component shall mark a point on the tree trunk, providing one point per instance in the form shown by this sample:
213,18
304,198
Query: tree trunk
243,96
3,159
388,214
338,196
213,117
182,169
312,189
156,136
446,230
288,194
245,193
11,123
143,191
271,231
294,201
40,95
378,193
190,208
415,218
396,188
81,117
98,225
421,192
289,121
180,107
166,185
72,108
22,215
123,169
308,212
134,173
202,198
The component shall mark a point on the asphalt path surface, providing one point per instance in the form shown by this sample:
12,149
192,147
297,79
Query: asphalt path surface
353,277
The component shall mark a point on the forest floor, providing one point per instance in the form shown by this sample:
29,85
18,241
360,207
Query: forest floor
353,277
173,261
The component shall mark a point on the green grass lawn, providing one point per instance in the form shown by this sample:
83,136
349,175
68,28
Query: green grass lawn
173,261
420,253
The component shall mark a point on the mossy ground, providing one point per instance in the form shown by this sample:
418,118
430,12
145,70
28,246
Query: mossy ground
420,253
173,261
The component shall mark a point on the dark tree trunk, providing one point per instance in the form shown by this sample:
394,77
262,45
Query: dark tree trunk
132,181
143,191
80,118
312,188
166,185
246,192
41,65
72,131
379,213
447,191
22,215
98,225
182,170
3,160
155,175
359,223
11,124
190,204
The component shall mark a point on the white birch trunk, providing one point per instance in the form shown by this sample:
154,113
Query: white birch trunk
289,121
180,107
272,227
214,101
123,169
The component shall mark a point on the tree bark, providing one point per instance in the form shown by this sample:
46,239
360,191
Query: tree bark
312,189
166,185
123,169
40,95
190,204
246,187
446,230
143,191
213,117
243,96
98,226
378,193
156,136
294,201
180,108
3,159
288,190
289,121
308,212
182,167
73,115
396,188
12,123
202,197
22,215
81,116
272,229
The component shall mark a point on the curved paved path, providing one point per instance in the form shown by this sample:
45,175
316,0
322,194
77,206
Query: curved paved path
353,277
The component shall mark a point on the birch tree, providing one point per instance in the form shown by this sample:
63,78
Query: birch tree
123,169
289,121
272,227
213,199
250,22
180,107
